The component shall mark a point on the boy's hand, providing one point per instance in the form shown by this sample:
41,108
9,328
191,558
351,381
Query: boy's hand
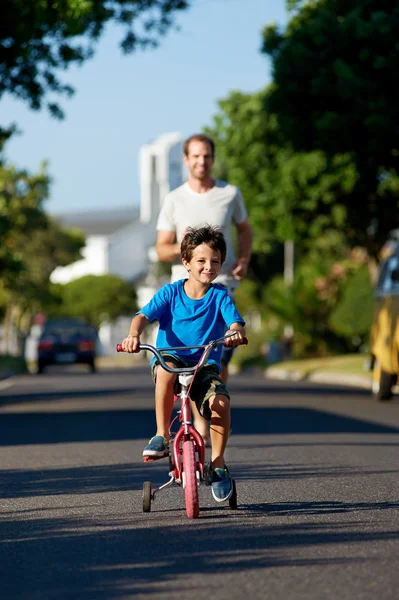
131,343
233,340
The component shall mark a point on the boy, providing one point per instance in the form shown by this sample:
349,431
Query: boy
192,312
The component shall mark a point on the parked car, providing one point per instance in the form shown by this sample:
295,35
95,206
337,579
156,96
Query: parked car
384,338
66,342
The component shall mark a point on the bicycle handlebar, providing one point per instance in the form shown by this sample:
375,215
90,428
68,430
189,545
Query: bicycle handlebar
186,370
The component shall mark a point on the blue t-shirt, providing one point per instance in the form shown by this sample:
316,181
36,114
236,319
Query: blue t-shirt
187,322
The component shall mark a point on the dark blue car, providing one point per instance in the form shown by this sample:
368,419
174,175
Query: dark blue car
66,342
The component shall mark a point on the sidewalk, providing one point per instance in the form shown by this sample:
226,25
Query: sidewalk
363,381
340,370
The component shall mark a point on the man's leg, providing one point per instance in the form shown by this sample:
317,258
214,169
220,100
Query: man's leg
224,375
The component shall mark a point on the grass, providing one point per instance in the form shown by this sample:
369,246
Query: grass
352,364
12,364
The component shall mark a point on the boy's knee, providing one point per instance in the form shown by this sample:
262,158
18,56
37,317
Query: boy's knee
164,377
219,404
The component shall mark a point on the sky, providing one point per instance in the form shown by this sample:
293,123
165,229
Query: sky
122,102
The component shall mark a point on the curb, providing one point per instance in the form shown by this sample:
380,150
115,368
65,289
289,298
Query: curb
7,374
363,381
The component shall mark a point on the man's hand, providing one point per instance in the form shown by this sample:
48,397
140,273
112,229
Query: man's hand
131,343
240,269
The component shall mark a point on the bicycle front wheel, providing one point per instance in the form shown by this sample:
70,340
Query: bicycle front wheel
190,478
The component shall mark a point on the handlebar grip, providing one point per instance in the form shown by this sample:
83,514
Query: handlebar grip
119,348
244,342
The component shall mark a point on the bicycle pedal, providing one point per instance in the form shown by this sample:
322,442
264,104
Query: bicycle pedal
154,458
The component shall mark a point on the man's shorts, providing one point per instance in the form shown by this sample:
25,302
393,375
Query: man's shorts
227,354
206,383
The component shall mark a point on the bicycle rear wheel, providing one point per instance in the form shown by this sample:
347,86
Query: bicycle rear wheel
190,478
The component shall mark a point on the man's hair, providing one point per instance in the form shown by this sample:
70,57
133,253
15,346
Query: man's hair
199,137
209,235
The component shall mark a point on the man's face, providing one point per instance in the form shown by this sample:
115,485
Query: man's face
199,160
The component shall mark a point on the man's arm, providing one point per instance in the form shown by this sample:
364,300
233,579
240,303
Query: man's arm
166,247
244,238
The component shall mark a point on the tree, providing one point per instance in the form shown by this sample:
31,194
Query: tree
31,244
44,249
290,195
98,298
335,89
21,202
39,38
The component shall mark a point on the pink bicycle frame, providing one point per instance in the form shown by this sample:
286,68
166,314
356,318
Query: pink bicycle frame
186,430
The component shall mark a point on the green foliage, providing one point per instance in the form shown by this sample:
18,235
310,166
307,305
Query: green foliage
45,248
31,244
12,365
21,212
253,354
329,304
335,90
98,298
247,297
353,315
39,38
289,195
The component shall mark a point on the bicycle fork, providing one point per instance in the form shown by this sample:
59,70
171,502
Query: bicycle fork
185,432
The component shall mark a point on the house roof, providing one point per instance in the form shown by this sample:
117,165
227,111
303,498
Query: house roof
99,222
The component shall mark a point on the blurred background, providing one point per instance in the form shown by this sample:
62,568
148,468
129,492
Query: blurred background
96,99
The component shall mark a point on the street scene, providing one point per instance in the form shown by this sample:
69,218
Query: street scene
199,300
316,468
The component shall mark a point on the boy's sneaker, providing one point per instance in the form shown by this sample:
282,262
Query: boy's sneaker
222,484
157,447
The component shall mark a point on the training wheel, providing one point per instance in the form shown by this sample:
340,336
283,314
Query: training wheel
233,497
147,496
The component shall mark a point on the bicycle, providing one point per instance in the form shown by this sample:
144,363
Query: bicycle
187,466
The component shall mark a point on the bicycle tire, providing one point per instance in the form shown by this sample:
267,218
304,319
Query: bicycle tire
190,477
233,497
147,496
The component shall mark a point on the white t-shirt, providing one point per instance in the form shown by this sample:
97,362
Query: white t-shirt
222,206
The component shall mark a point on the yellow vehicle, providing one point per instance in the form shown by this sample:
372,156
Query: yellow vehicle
384,338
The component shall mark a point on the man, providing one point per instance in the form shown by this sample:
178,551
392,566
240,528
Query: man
201,200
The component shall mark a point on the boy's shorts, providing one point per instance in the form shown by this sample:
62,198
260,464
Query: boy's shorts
206,383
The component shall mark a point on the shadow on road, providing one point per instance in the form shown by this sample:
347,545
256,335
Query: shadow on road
114,425
80,480
91,560
28,483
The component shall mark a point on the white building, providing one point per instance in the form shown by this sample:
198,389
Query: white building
120,241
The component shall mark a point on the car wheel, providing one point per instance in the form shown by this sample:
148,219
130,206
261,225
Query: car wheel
382,383
92,367
40,368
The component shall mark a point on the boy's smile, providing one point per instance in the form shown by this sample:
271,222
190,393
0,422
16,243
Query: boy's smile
205,264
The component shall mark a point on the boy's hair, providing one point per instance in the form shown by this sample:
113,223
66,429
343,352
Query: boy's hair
209,235
199,137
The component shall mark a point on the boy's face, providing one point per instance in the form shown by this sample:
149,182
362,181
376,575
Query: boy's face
204,265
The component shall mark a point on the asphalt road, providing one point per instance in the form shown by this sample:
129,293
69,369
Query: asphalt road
317,475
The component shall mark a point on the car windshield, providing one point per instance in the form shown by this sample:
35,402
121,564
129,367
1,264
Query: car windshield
385,283
67,329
